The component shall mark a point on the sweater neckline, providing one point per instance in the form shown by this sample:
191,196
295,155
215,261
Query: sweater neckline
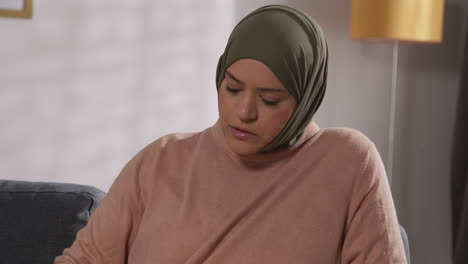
262,159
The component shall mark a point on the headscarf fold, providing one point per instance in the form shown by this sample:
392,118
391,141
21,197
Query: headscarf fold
293,46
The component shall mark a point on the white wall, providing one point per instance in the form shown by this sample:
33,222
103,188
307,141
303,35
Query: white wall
86,84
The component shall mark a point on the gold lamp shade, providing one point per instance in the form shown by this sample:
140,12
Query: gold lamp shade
406,20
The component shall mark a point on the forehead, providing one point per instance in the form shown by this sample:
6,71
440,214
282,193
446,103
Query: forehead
253,72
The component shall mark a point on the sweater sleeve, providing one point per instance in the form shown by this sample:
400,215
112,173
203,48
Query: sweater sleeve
372,229
112,227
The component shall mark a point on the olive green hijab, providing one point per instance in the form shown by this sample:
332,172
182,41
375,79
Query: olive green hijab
293,46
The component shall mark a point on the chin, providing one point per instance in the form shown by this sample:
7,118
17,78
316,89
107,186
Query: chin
243,149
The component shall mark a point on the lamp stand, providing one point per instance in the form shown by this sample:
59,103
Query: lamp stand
391,132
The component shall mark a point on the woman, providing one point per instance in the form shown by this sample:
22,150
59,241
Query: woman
264,184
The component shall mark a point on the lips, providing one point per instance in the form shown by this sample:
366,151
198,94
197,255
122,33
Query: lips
241,134
243,130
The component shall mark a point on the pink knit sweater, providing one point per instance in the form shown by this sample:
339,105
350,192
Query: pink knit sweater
187,199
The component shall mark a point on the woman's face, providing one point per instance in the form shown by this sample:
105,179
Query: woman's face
253,106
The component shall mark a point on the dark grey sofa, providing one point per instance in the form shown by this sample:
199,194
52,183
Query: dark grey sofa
39,219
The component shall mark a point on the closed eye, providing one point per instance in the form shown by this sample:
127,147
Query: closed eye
268,102
232,90
236,91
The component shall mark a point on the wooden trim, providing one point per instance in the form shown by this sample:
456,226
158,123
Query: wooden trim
27,12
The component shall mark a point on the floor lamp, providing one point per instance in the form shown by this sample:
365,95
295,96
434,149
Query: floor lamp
397,20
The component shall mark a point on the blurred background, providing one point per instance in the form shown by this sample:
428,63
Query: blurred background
85,84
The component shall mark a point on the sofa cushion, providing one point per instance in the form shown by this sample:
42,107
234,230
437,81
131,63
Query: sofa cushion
38,220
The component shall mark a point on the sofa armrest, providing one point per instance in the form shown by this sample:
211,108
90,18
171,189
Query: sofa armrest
40,219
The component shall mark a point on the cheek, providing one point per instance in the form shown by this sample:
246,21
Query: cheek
278,120
281,119
224,104
221,102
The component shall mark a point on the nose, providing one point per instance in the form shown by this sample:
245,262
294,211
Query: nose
247,108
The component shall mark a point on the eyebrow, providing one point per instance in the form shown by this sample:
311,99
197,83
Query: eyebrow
230,75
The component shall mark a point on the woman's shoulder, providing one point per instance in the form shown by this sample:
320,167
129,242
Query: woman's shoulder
343,141
340,149
173,142
345,137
